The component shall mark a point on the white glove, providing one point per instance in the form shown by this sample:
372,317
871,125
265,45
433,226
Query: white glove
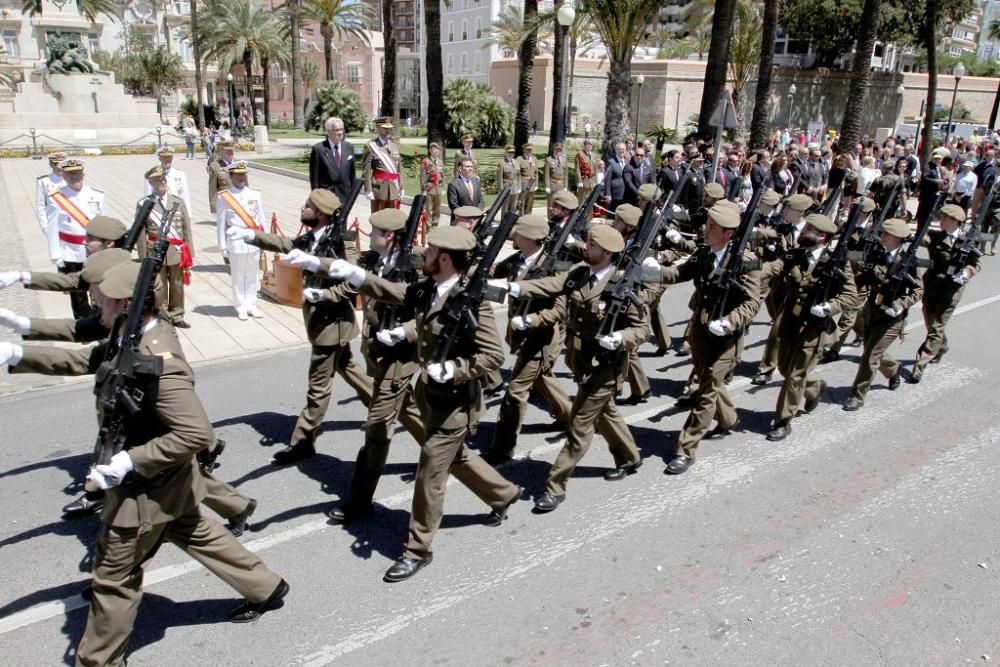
98,480
10,278
821,310
313,295
402,193
650,263
370,195
520,323
571,240
114,472
240,234
10,354
961,277
58,261
512,288
341,269
548,191
441,372
303,260
720,327
612,342
390,337
892,311
674,236
18,323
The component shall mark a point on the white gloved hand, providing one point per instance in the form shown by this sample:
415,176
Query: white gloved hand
511,288
390,337
520,323
892,311
961,277
441,372
240,234
58,261
98,480
10,278
303,260
10,354
650,263
313,295
402,193
571,240
674,236
720,327
370,195
611,342
821,310
116,469
341,269
20,324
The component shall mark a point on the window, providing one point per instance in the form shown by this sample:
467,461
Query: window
955,51
451,64
10,43
185,51
478,63
465,30
93,43
479,28
451,31
277,75
182,7
465,63
353,72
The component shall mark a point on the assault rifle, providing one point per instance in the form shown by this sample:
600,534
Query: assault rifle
969,251
486,228
727,278
900,277
331,244
402,270
830,273
830,205
120,392
138,223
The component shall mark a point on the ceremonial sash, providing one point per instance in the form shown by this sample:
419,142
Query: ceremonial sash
386,160
238,209
157,219
69,208
186,260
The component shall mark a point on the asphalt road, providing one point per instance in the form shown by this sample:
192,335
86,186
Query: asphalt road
864,538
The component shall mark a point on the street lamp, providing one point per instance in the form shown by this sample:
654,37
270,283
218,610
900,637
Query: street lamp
232,104
958,72
899,108
677,112
638,104
791,99
565,16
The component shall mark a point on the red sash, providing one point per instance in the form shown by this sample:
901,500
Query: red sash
186,260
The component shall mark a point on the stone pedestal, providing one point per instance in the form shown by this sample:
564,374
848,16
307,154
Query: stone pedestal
260,139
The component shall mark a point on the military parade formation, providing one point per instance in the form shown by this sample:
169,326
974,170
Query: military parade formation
818,234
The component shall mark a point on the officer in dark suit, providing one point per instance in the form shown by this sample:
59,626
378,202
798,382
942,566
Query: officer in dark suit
464,189
331,161
671,171
614,178
636,174
760,174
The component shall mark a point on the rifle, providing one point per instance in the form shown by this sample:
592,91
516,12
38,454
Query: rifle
830,205
969,251
727,278
618,293
332,242
485,227
138,223
402,270
119,393
831,272
874,229
459,313
899,276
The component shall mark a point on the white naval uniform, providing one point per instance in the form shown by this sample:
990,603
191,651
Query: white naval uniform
43,186
244,259
177,185
61,226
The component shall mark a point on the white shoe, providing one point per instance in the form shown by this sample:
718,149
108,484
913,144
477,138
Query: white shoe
241,314
254,312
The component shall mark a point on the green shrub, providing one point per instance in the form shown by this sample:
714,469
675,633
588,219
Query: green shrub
473,108
334,99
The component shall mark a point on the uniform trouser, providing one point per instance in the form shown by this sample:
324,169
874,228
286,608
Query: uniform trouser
244,270
493,379
118,571
392,400
593,407
797,360
222,498
878,337
433,210
526,374
512,203
850,320
582,193
659,324
638,381
172,278
379,204
78,299
712,360
443,453
936,316
769,360
527,197
324,361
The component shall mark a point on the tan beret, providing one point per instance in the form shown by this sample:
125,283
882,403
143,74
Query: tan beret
527,147
649,192
867,204
799,202
770,198
896,227
715,191
155,172
95,266
566,199
821,223
467,212
508,147
388,219
119,280
226,145
451,238
434,144
533,227
105,228
953,211
325,200
467,137
628,214
724,216
607,237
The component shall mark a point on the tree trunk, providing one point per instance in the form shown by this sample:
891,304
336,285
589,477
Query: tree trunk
326,32
525,79
248,70
265,65
569,82
196,47
298,110
435,74
762,97
166,31
861,75
555,122
930,43
996,108
389,70
717,68
617,107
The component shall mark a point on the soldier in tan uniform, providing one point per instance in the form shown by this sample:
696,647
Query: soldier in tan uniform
218,175
176,271
380,170
586,170
448,392
431,173
528,164
466,152
509,176
556,171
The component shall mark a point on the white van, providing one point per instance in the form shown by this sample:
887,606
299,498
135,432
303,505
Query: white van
960,130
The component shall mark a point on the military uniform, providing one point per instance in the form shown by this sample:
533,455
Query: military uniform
241,207
528,166
509,176
380,170
45,184
463,154
218,179
101,227
556,171
177,185
430,171
176,270
586,173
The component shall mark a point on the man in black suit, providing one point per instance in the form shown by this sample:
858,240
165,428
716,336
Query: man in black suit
331,161
760,174
636,174
464,189
671,171
614,178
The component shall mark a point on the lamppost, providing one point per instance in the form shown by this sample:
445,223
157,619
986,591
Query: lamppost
232,104
638,104
791,99
565,16
958,72
510,94
677,112
899,108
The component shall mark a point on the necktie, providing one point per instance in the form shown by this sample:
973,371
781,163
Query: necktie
592,280
336,153
640,172
722,178
468,186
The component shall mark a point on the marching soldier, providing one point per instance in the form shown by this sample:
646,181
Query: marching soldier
556,171
465,152
46,183
626,220
586,170
528,164
218,174
803,323
328,311
944,284
448,392
240,206
380,170
883,321
598,363
509,176
176,270
176,180
71,208
535,336
431,174
849,319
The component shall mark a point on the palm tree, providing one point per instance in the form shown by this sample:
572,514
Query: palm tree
196,48
293,9
507,32
929,34
161,72
718,61
8,78
274,50
310,74
861,74
994,33
90,9
389,62
762,96
698,25
525,77
337,18
744,51
621,24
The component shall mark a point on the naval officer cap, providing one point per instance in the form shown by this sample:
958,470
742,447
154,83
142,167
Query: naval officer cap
954,212
324,200
165,151
896,227
725,216
57,157
238,167
388,219
451,238
533,227
821,223
98,264
106,228
566,199
607,238
71,164
628,214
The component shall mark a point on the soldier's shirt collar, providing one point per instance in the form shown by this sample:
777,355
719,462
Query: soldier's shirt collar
528,260
599,275
442,288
